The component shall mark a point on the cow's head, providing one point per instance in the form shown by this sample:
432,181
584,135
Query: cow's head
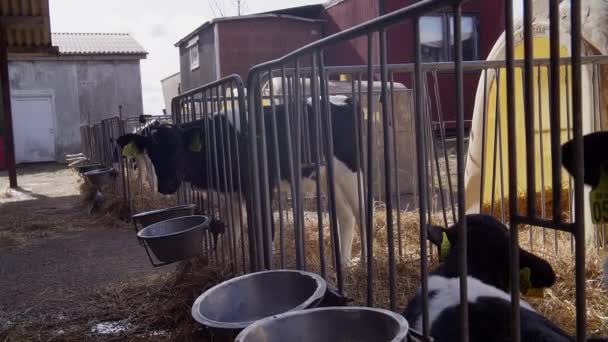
488,260
169,148
595,146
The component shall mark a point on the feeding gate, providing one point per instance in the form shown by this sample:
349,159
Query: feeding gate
215,116
321,143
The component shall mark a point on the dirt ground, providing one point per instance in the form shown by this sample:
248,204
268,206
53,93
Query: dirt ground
54,255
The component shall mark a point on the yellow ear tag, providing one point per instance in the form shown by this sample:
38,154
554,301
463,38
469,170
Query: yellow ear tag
130,150
598,198
196,144
525,284
445,246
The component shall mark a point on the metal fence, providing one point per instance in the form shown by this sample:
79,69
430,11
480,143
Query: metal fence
218,109
297,130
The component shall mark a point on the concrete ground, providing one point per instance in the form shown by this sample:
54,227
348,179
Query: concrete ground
52,252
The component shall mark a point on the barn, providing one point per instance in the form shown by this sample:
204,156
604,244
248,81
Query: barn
85,79
225,46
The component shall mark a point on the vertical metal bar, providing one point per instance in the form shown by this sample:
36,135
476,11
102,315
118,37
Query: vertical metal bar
265,183
555,111
484,137
277,162
462,229
329,158
227,169
386,130
237,133
358,163
579,201
298,199
512,148
529,108
369,217
396,166
496,139
422,187
570,180
288,129
314,91
541,149
215,148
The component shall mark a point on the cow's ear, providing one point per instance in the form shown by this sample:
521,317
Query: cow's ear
133,144
439,237
594,145
436,234
541,274
193,138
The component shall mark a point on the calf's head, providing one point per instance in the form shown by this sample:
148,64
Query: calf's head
488,242
595,146
170,149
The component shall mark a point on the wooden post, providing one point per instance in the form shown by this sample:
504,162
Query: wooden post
5,100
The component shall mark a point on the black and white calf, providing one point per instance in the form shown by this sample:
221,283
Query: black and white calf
595,146
170,149
488,287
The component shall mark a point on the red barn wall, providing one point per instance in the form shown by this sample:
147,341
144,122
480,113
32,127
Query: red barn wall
349,13
245,43
343,15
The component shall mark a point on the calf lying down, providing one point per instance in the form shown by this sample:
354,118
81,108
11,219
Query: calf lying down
489,301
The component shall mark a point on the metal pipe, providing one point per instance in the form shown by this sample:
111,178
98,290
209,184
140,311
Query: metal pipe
388,186
579,201
369,217
422,188
512,148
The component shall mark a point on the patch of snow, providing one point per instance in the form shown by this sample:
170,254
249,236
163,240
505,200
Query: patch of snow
111,327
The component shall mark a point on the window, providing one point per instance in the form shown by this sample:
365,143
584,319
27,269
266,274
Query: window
193,52
434,33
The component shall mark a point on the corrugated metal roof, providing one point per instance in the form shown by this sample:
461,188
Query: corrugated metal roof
27,25
97,44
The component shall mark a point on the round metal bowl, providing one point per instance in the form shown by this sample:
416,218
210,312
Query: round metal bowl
235,304
100,177
86,168
175,239
329,325
154,216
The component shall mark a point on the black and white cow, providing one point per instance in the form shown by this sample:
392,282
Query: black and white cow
169,148
488,287
595,146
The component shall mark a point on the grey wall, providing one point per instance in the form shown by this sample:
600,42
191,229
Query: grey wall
81,88
206,72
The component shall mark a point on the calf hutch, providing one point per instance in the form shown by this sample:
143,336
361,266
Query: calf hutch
86,80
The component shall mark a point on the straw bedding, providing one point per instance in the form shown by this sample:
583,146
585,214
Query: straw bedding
165,303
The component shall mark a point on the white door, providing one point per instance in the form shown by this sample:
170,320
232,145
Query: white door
33,126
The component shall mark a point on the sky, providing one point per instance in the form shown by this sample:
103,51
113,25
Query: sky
157,25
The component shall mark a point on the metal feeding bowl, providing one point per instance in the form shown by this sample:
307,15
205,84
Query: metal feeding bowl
150,217
235,304
86,168
329,325
100,177
175,239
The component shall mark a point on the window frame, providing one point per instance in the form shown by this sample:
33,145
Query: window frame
192,47
446,54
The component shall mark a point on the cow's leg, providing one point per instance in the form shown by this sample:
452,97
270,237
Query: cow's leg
346,227
352,191
349,189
